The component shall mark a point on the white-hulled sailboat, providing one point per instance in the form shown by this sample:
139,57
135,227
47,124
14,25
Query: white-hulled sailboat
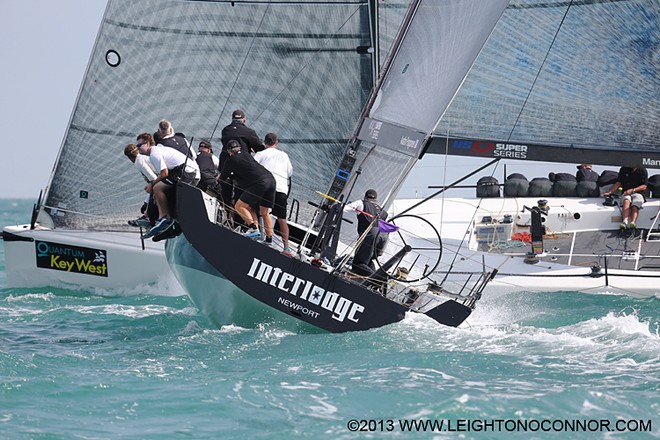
559,81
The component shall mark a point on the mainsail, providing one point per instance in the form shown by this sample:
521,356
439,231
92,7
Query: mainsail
300,69
563,81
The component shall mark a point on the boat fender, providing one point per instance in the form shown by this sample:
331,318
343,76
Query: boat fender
596,271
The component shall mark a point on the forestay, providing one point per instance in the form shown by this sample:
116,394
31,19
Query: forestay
300,69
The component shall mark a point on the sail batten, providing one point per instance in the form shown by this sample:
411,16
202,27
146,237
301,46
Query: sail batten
298,69
434,50
578,75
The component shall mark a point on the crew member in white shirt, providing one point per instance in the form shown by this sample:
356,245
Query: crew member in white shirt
277,162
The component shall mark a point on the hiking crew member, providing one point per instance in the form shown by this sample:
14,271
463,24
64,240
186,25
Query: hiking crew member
174,140
207,166
170,165
633,183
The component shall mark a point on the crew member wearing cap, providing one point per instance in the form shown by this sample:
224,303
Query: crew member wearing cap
258,185
246,137
368,211
208,166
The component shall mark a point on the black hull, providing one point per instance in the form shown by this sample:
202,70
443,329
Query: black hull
295,288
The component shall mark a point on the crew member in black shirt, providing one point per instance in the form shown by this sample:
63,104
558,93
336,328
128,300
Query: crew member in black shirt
257,185
207,167
246,137
633,183
373,244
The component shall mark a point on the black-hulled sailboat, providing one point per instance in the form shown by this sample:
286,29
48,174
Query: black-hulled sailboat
234,280
192,63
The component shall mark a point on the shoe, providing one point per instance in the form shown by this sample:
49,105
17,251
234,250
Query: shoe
287,252
623,226
253,234
141,222
160,226
632,226
170,231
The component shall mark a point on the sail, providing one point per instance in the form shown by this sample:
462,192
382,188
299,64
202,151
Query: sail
563,81
299,69
433,52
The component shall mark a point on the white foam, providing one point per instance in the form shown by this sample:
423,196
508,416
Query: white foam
131,311
166,285
29,296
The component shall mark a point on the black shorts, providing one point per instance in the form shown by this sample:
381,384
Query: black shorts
177,173
261,193
279,210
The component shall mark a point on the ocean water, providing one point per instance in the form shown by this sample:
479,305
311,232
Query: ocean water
77,364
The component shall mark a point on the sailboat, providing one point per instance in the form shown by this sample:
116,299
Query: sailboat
192,63
577,83
235,280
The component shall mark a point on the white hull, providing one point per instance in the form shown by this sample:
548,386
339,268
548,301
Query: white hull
564,266
122,263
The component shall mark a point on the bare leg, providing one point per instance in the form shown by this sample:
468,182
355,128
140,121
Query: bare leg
284,231
625,211
634,210
161,200
268,221
245,212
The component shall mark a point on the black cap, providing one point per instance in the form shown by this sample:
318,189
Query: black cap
238,114
371,194
233,145
205,144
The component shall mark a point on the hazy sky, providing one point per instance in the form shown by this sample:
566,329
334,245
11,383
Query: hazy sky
44,47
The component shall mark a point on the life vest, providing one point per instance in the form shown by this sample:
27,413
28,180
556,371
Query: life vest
364,221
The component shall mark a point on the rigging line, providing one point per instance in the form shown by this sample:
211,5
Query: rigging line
474,214
456,182
538,73
240,71
297,74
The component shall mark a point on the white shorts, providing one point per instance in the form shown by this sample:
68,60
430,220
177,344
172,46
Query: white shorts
636,199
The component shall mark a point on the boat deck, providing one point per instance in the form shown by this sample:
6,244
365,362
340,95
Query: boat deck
616,249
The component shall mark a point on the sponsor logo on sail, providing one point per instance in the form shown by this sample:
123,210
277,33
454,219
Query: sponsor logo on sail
409,143
513,151
69,258
308,295
374,129
483,148
648,162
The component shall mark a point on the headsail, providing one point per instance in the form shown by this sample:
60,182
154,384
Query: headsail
435,48
574,81
299,69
